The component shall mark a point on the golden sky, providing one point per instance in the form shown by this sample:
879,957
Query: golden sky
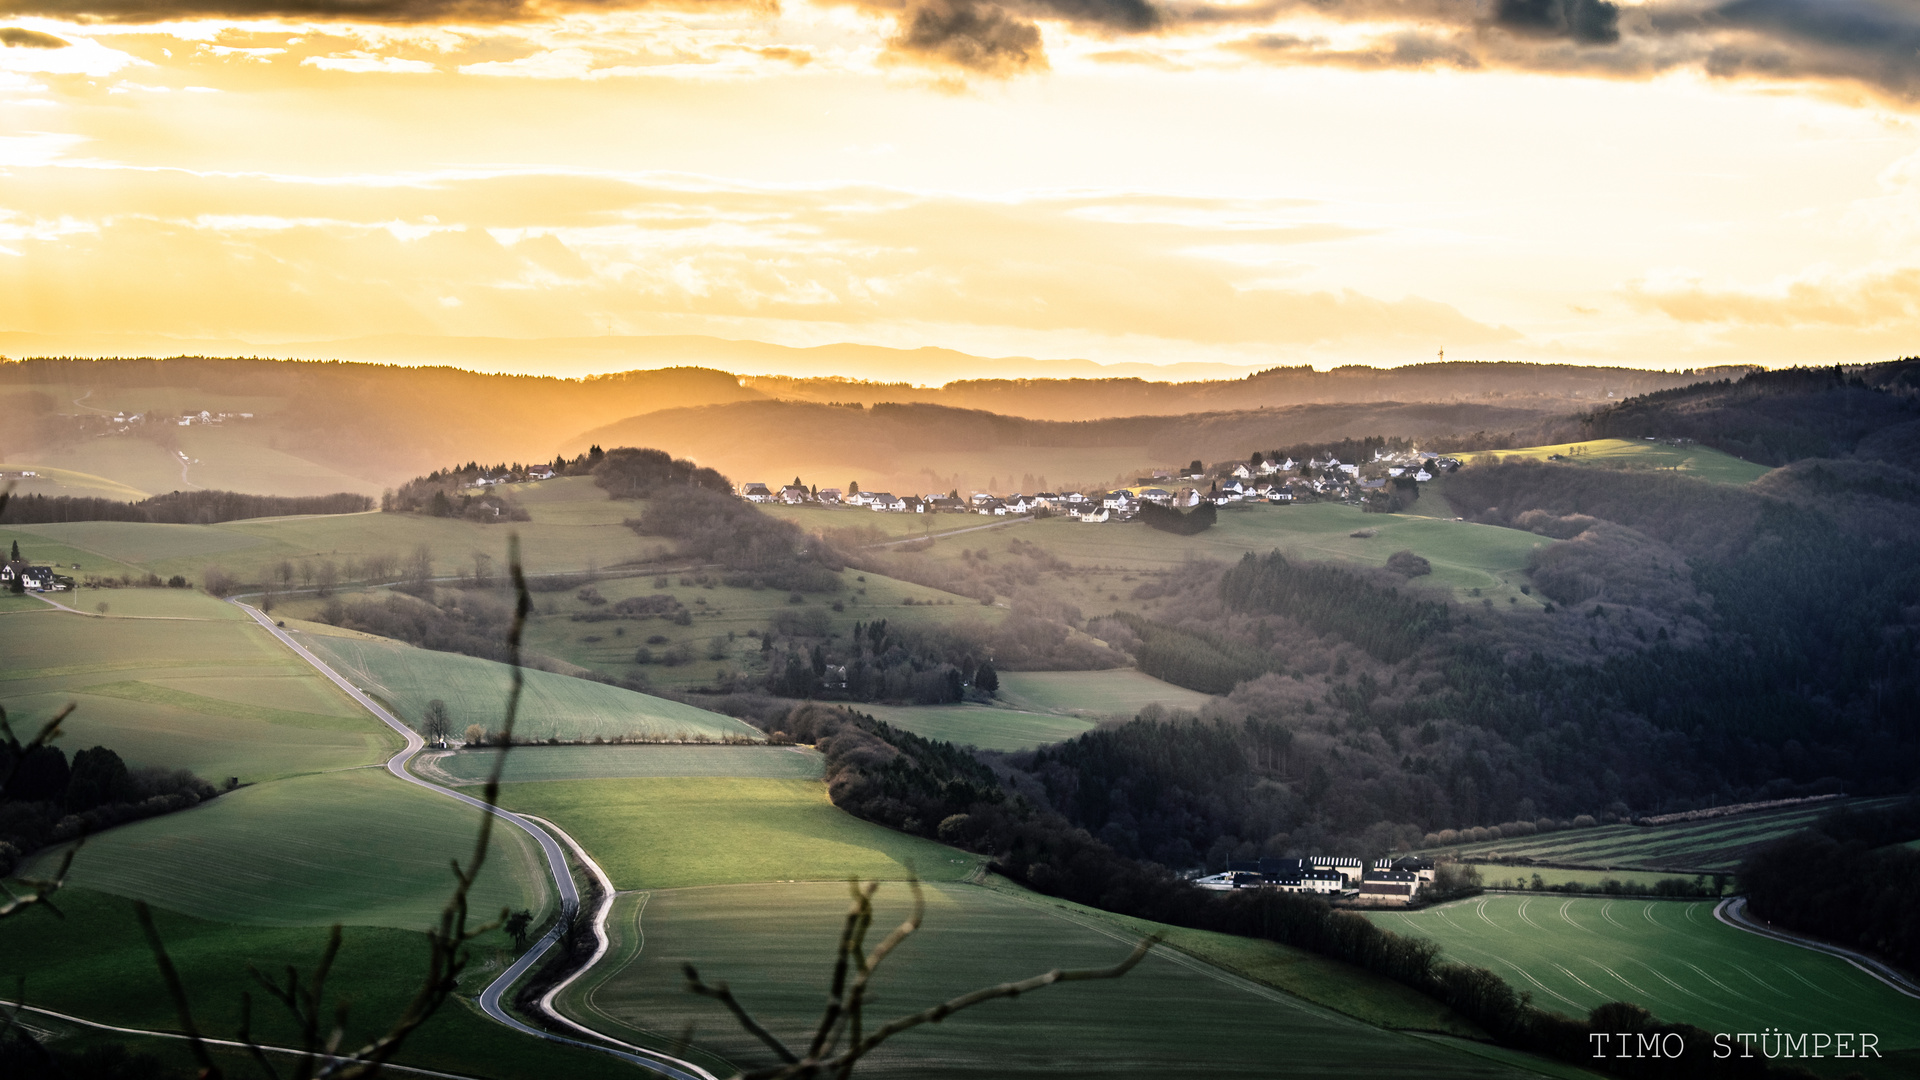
1262,183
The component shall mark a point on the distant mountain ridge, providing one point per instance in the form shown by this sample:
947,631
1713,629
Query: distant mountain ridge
313,427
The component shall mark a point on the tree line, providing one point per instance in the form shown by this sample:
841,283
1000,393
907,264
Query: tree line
1850,878
51,800
933,789
176,508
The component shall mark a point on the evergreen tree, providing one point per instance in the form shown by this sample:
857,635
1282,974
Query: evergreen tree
986,678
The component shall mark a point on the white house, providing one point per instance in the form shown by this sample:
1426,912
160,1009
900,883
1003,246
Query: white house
756,493
828,495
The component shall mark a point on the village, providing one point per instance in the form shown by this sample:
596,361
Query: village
1258,480
1389,882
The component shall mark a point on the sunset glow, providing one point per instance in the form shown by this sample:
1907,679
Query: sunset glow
1249,184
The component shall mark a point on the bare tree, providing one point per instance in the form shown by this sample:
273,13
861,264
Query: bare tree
435,723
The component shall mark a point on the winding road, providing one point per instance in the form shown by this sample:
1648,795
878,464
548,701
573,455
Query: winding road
490,998
1733,912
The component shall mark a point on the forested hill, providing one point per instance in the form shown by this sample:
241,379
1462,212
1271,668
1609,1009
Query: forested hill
1776,417
895,443
175,508
385,423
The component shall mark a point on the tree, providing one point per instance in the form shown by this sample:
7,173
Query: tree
517,925
15,557
420,566
986,678
1256,460
1196,467
476,735
853,487
435,723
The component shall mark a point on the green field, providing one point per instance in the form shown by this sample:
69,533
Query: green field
1121,692
148,604
1171,1016
575,527
238,455
1673,957
1699,462
1104,564
95,964
1716,844
54,483
221,698
668,832
618,762
37,547
475,690
727,613
358,847
984,726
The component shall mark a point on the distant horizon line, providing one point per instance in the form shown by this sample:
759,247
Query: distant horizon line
431,349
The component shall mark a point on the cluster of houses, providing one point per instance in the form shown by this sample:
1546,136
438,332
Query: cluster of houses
1383,881
18,576
1274,482
204,416
528,475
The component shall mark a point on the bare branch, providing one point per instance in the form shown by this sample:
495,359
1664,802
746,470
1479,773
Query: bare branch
719,992
176,990
1005,990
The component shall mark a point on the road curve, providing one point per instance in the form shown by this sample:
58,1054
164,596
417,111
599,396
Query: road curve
1733,912
490,998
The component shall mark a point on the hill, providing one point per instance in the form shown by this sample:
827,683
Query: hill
929,447
309,427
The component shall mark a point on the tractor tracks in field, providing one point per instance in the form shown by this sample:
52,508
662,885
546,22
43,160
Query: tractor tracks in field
1733,912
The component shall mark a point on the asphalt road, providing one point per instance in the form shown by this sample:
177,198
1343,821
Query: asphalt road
490,998
1733,912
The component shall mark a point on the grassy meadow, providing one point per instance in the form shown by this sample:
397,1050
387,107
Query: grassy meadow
475,690
1715,844
357,847
532,763
666,832
1173,1015
1699,462
1673,957
985,726
1120,692
94,963
1098,567
217,696
319,834
721,617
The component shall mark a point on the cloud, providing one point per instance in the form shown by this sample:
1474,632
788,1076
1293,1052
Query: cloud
1873,298
977,37
21,37
544,254
1592,22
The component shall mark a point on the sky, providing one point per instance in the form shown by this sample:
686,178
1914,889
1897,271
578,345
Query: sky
1258,183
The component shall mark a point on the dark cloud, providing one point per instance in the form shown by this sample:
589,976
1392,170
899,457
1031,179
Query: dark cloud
1593,22
1129,15
24,38
977,37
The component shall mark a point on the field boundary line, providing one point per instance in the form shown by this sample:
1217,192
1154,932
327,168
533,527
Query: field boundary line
556,863
118,1030
1733,912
